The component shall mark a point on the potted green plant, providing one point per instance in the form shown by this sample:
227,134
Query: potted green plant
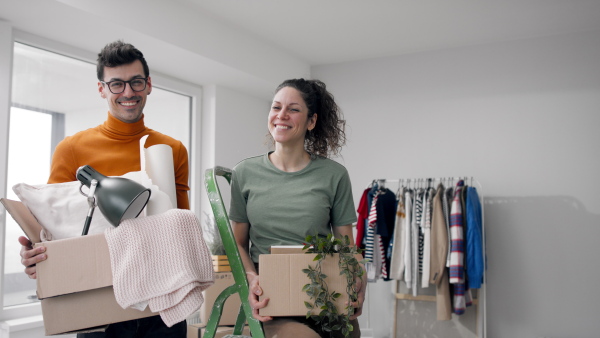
329,318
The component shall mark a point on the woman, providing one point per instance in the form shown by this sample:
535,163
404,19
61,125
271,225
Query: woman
281,197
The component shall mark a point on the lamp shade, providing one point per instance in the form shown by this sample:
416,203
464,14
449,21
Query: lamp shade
118,198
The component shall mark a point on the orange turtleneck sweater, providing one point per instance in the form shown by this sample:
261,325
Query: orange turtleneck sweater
113,149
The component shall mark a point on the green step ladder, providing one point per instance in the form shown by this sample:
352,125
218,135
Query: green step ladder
240,285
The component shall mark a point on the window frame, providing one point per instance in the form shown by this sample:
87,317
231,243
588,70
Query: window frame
10,35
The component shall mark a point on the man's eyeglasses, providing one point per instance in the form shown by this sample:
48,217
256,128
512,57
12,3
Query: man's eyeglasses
118,86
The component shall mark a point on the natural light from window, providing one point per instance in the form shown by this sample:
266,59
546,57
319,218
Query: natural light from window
29,163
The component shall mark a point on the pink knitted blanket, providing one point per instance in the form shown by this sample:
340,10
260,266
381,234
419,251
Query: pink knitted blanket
161,260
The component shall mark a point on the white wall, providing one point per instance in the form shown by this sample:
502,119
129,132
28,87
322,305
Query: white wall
522,117
233,126
241,126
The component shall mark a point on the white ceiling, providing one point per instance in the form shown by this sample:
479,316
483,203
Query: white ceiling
252,45
333,31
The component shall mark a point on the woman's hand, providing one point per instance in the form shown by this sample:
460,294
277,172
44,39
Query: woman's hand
30,256
255,291
361,286
360,283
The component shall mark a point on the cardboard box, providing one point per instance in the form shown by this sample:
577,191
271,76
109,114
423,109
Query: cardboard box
221,263
75,282
74,265
282,280
232,304
197,331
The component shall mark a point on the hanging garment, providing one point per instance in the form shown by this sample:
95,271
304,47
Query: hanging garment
475,261
416,235
386,218
439,251
363,215
397,258
370,238
427,208
463,203
372,265
380,261
457,239
419,201
447,200
408,206
456,276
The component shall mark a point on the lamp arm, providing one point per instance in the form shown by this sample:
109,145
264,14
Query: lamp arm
92,203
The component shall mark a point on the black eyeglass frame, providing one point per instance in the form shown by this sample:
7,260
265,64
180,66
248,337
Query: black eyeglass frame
145,79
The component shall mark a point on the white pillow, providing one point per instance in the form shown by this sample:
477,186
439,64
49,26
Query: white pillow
60,208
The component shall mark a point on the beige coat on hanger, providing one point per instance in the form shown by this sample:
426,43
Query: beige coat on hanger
439,252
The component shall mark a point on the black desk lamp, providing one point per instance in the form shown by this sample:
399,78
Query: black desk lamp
118,198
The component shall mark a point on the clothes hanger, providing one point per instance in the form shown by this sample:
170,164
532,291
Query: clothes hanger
400,186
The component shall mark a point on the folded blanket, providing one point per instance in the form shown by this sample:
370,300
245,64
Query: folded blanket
161,260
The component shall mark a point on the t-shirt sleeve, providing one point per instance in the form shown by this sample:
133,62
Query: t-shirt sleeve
343,212
237,207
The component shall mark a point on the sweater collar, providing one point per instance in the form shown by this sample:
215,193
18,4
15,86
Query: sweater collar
116,126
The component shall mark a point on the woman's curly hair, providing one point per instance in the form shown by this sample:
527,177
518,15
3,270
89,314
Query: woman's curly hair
328,136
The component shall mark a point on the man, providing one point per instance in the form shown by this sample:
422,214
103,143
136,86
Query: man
113,150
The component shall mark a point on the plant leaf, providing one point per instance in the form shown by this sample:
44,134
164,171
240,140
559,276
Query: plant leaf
329,319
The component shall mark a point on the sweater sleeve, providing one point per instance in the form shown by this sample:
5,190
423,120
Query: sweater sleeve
63,167
181,176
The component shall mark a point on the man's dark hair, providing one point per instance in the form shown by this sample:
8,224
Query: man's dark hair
119,53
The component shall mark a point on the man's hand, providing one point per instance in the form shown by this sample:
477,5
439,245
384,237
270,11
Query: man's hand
30,256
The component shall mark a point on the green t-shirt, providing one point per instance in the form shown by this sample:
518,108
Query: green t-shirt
282,208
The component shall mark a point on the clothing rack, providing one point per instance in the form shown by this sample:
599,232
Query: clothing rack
426,182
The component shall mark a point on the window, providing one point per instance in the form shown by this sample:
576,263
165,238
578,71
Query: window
54,96
32,167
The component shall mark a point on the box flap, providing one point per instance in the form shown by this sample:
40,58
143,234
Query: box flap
24,218
287,249
74,265
282,279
